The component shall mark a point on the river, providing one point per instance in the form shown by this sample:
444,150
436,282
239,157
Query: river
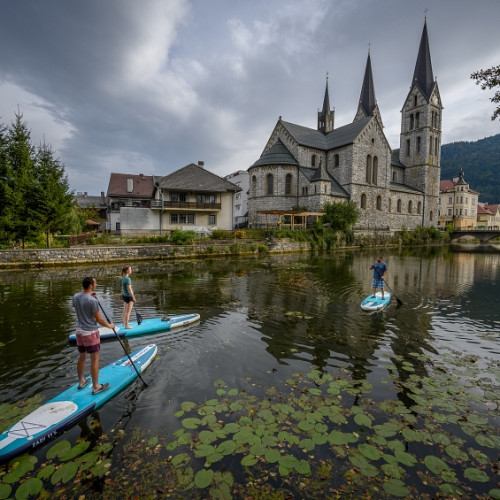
268,324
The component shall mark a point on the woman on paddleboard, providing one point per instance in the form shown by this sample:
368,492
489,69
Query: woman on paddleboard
127,295
379,273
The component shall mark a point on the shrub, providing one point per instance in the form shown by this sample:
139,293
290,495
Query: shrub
240,235
219,234
179,237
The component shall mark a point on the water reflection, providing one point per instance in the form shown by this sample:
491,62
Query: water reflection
262,319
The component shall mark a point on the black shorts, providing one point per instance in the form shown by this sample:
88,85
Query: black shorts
127,299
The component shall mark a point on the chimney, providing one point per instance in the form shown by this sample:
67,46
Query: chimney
103,199
201,164
130,185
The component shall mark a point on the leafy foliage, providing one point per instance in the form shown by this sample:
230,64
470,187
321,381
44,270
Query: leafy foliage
489,79
341,216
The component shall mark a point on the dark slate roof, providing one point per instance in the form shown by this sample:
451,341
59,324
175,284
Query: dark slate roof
85,201
321,173
142,185
367,98
336,188
395,159
396,186
338,137
195,178
278,154
423,76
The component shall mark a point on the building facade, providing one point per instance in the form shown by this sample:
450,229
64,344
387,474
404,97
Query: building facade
240,200
305,167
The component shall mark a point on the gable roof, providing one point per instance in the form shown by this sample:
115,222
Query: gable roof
311,173
142,185
338,137
195,178
278,154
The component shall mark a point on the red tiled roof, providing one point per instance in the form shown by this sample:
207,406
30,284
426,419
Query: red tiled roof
142,185
446,185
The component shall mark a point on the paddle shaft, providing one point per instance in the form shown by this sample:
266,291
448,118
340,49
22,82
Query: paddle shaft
121,343
399,301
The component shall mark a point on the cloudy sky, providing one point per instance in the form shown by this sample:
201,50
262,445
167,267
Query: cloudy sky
150,86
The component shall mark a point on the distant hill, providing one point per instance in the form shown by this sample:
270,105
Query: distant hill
481,163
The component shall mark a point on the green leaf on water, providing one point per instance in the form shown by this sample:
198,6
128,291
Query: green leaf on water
248,460
204,450
306,425
65,473
203,478
483,440
494,493
226,447
451,489
272,455
456,453
76,450
191,423
188,406
31,487
180,460
179,414
59,449
476,475
303,467
435,464
207,437
405,458
185,479
363,420
396,487
220,383
5,490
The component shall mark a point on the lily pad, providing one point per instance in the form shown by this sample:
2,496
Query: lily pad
435,464
476,475
396,487
31,487
203,478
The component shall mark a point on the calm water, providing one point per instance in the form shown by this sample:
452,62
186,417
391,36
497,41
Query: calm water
262,319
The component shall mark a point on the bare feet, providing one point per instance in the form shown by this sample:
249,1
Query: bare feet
129,328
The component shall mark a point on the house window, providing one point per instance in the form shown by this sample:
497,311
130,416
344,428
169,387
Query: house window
182,218
212,219
336,160
238,207
450,200
117,226
288,184
449,211
473,213
465,212
363,201
368,169
177,196
399,206
115,205
205,198
313,160
190,218
174,219
304,191
270,184
375,170
238,196
379,203
410,207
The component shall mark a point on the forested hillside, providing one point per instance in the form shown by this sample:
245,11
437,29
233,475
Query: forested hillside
481,163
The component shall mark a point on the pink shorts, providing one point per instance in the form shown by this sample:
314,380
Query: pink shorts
88,342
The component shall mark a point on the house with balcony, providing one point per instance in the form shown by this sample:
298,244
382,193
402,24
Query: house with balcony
458,203
192,198
240,201
97,203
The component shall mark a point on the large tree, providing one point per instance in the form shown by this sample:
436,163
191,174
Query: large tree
341,216
489,79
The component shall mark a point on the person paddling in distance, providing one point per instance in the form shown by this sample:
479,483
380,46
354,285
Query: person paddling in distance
379,273
87,334
127,295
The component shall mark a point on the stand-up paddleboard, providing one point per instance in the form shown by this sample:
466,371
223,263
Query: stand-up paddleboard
376,303
147,326
71,406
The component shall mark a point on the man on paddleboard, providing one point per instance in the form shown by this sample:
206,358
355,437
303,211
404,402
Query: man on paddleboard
379,273
87,334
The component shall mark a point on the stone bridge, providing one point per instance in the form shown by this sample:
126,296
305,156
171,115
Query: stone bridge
483,235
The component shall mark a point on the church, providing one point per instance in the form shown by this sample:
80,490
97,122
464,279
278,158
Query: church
393,189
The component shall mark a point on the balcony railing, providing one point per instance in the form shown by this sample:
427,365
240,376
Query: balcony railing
184,205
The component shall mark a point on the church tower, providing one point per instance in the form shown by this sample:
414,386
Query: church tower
420,139
367,103
326,116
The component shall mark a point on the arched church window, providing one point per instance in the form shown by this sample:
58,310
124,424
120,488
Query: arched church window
379,202
254,186
407,147
419,141
417,120
419,207
414,100
431,216
412,121
270,184
398,207
390,205
363,201
313,160
394,176
410,207
375,170
288,184
336,160
368,169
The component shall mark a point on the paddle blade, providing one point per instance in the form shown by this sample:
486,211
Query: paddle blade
138,318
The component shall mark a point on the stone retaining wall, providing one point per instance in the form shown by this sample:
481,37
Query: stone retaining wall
125,253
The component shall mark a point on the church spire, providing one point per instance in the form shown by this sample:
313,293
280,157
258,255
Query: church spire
367,99
423,76
326,116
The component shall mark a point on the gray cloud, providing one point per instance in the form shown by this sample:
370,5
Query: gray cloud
150,86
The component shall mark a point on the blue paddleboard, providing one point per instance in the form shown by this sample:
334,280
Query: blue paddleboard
71,406
376,303
147,326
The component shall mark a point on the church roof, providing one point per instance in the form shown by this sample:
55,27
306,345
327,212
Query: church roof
278,154
423,76
395,161
195,178
367,99
336,188
338,137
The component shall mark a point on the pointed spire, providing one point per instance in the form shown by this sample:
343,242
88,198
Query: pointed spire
326,116
326,101
367,99
423,76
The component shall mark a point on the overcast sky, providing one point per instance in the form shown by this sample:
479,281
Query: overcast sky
149,86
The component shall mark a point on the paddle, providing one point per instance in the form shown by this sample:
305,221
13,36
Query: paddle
121,343
387,285
138,317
